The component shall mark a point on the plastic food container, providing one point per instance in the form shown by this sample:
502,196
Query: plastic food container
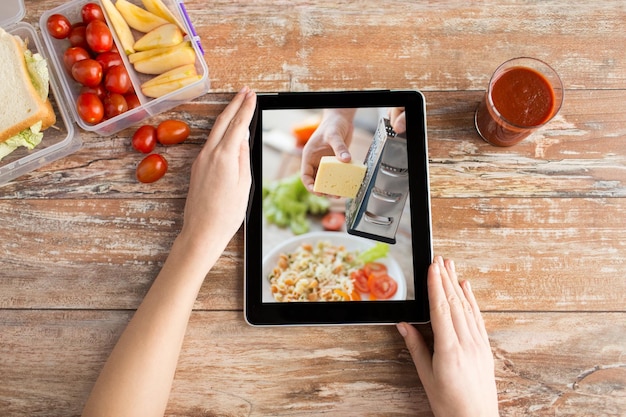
63,138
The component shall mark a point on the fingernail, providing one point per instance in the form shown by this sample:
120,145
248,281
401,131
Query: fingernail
436,268
243,90
401,329
452,266
345,156
469,287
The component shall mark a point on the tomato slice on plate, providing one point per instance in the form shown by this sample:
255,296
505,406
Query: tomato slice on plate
359,278
382,286
375,268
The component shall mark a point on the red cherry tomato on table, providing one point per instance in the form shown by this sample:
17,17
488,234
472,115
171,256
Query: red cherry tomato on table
114,105
171,132
109,59
99,37
58,26
144,139
333,221
151,168
90,108
77,36
117,80
382,286
91,11
87,72
72,55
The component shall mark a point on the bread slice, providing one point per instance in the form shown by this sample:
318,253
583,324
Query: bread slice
20,104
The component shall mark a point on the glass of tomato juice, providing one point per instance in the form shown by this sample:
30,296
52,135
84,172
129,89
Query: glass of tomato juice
523,95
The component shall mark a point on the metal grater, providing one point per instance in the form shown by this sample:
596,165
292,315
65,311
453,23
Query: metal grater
376,210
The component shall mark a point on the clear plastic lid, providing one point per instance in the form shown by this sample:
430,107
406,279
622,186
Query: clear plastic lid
11,12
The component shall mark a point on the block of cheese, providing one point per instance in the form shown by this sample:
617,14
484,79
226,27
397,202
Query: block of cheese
338,178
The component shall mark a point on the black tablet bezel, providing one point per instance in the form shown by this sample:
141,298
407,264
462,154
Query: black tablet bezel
258,313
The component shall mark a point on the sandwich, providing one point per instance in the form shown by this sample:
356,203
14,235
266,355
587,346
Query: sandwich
25,111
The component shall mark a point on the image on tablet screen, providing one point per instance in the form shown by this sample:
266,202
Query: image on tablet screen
349,237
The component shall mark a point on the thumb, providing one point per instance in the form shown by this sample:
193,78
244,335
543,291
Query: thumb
340,148
418,349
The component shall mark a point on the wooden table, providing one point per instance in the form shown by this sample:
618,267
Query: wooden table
538,228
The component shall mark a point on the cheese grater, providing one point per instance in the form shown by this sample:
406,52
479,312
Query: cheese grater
376,210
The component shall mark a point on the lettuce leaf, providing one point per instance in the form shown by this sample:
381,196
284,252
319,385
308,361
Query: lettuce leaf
286,202
29,138
39,74
378,251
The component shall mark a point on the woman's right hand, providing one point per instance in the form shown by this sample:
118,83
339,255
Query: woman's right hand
459,376
220,178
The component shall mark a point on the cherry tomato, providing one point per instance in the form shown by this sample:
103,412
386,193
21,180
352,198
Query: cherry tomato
72,55
99,37
91,11
132,100
374,268
87,72
359,279
77,36
109,59
151,168
59,26
97,90
90,108
333,221
117,80
171,132
144,139
114,105
382,286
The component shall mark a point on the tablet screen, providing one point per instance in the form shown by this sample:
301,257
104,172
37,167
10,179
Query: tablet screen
332,232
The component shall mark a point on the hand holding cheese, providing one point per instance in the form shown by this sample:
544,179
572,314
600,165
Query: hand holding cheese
332,137
339,178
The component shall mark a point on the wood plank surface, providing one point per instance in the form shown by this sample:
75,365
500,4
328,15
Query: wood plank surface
539,228
104,253
228,368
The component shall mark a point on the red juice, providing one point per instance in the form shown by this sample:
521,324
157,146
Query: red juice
519,100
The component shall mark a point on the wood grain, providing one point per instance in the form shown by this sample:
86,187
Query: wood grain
228,368
104,253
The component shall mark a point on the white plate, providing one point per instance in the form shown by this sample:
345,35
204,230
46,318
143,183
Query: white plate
350,242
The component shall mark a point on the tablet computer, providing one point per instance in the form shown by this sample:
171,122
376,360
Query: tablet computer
355,248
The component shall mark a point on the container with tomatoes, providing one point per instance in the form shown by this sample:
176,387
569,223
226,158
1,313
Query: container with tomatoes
105,107
100,86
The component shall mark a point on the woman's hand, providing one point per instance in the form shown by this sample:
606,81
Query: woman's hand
137,377
459,376
220,177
